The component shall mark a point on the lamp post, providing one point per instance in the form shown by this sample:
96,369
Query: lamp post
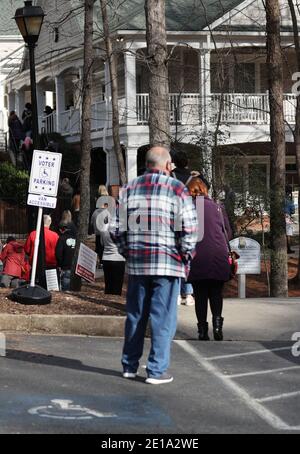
29,20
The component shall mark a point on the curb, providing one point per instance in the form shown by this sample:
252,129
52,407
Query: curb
89,325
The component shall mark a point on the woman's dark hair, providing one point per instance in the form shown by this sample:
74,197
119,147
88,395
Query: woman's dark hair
180,159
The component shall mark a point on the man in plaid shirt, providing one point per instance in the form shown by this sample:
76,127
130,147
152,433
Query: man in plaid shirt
157,233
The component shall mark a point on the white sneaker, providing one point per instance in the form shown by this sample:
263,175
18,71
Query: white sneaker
129,374
164,378
179,300
189,301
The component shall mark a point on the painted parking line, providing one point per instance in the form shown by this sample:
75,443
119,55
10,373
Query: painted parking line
264,413
279,397
254,352
262,372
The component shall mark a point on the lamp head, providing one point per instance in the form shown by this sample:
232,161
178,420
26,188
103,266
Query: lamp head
29,20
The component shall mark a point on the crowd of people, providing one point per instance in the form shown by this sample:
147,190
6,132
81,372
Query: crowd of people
165,266
20,132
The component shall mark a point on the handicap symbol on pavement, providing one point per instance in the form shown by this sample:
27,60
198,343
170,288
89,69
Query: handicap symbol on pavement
65,409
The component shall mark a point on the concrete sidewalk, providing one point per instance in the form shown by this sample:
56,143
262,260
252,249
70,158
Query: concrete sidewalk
257,319
251,319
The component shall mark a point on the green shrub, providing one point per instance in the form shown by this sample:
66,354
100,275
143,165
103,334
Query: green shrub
13,183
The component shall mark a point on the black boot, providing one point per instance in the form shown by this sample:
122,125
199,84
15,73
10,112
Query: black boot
217,326
203,331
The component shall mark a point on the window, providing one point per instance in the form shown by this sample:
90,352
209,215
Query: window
244,78
219,78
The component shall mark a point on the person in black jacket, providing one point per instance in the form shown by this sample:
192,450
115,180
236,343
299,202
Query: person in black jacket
64,252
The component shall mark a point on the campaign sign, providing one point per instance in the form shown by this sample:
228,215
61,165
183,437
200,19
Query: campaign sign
44,175
86,263
42,201
51,279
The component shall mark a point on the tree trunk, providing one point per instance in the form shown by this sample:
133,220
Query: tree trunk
113,70
157,58
278,257
297,119
86,144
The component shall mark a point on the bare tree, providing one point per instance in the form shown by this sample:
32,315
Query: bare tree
113,70
296,131
86,144
279,287
157,59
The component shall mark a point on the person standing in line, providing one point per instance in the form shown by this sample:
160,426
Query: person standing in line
157,258
100,211
210,267
113,262
51,239
182,173
16,132
64,252
27,119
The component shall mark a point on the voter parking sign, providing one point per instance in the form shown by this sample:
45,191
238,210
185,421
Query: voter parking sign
44,175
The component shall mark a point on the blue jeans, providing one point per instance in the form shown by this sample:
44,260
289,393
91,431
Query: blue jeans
185,288
154,298
65,280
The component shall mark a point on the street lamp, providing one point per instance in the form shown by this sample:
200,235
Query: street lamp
29,20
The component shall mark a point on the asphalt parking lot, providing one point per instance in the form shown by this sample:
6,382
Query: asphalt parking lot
69,384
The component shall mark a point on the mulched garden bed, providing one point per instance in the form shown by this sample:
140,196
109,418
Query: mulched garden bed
91,300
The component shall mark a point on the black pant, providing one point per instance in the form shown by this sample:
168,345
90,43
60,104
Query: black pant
113,276
99,248
204,290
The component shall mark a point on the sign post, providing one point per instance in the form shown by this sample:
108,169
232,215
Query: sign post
249,261
43,186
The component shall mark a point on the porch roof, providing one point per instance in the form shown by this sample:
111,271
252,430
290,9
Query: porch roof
8,26
181,15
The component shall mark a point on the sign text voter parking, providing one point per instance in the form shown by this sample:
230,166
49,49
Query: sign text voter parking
44,176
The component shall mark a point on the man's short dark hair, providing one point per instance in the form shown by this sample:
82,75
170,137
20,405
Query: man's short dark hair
180,159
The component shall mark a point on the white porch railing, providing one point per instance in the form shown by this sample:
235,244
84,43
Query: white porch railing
185,109
249,108
231,108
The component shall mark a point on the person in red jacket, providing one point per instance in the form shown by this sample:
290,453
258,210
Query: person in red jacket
13,258
51,239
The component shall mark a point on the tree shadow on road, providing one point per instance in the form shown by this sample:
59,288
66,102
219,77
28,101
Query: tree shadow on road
60,361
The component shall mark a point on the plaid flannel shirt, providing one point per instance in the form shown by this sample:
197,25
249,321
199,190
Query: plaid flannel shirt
156,226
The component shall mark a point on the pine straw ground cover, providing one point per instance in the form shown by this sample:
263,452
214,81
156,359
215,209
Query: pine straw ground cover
91,300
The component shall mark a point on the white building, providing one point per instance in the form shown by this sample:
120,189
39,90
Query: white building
11,52
217,74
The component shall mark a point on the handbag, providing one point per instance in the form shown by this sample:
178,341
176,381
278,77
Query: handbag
233,256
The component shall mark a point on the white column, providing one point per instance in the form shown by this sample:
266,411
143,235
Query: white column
130,87
131,163
113,175
40,99
204,81
60,99
18,106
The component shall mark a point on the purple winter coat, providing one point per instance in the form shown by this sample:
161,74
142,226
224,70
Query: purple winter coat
211,259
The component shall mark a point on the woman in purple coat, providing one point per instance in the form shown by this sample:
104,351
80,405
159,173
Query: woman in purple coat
210,267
